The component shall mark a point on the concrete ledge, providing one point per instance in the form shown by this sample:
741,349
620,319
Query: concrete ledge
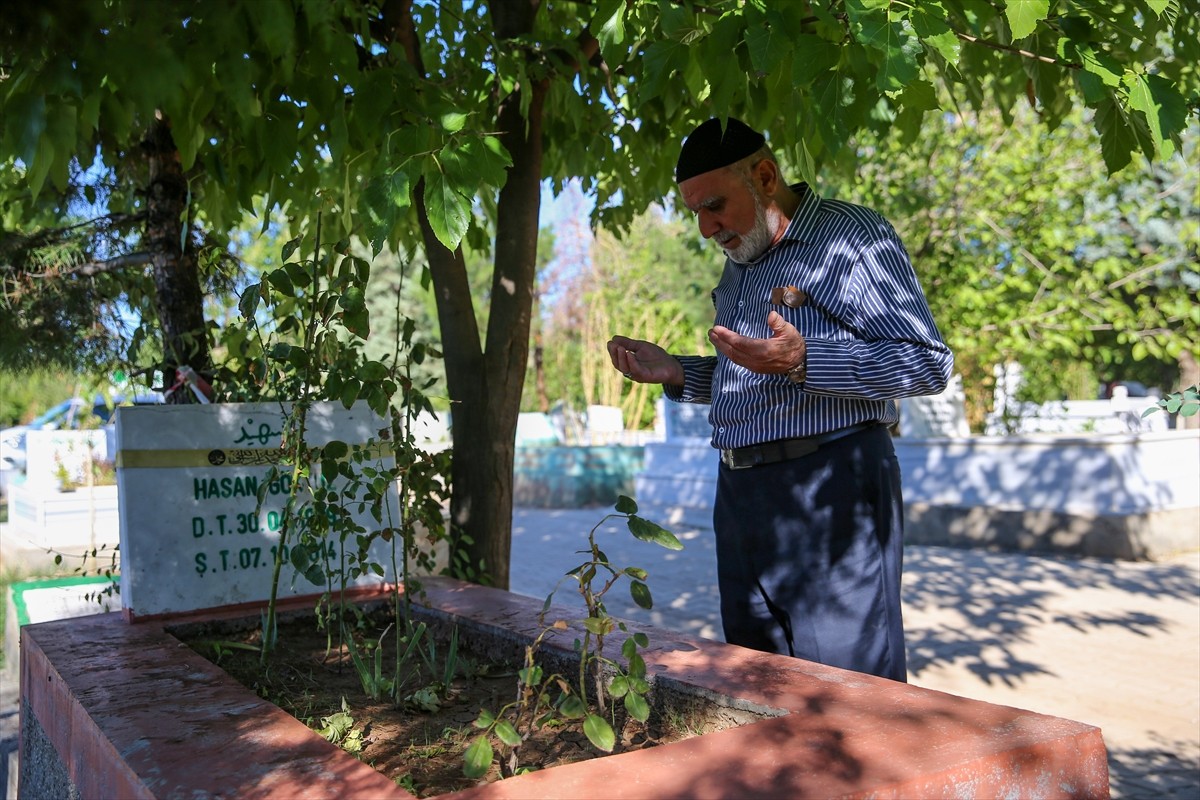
130,712
1126,496
1148,536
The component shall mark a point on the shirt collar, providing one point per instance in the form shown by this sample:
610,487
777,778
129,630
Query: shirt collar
803,225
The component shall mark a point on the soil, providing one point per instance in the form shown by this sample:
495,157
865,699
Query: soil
311,674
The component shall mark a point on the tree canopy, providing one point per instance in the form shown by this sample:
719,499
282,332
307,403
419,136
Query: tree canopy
418,126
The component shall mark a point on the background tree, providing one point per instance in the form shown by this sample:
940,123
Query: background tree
1027,256
392,118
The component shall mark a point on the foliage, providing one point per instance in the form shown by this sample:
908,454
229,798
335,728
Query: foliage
25,394
1185,403
1026,256
544,698
339,729
300,341
652,283
433,124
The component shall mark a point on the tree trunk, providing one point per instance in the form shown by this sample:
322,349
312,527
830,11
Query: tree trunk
179,300
485,384
1189,375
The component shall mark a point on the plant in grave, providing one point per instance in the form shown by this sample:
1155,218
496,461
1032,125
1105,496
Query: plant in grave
339,729
545,699
299,342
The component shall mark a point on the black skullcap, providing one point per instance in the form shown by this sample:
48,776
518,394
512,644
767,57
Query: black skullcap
708,147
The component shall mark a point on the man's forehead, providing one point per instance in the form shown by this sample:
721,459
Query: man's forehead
708,189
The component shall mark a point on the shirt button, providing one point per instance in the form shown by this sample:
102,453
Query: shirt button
741,303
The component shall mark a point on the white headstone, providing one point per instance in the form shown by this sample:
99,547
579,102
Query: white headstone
193,534
604,423
685,420
936,416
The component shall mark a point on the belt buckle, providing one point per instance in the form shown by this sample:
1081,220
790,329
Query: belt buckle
727,458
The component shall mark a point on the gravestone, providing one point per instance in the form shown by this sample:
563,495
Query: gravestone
684,420
193,532
936,416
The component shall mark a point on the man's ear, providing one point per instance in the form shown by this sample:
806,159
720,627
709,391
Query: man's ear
766,177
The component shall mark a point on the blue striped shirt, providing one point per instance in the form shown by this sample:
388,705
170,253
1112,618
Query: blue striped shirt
869,335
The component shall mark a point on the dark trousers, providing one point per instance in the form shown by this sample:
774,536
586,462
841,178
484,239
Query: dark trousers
809,555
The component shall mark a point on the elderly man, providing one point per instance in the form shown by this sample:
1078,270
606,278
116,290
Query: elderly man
821,325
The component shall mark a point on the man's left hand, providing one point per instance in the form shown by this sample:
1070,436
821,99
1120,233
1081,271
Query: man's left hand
780,352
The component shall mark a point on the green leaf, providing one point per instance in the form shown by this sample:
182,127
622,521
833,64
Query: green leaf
353,299
358,322
641,594
477,160
1024,15
637,706
572,706
478,758
661,60
647,531
449,212
282,282
637,573
619,686
813,56
372,371
507,733
599,733
1117,138
248,302
625,505
336,449
290,247
629,648
600,626
485,719
929,23
453,121
301,556
767,47
611,30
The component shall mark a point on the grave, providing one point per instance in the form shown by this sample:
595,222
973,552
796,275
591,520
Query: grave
205,540
105,696
105,702
936,416
679,480
35,601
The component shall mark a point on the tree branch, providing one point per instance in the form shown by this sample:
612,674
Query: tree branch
966,37
90,268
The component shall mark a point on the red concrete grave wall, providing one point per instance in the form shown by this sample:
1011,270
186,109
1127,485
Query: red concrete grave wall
132,712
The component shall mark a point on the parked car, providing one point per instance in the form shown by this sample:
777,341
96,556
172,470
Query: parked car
73,414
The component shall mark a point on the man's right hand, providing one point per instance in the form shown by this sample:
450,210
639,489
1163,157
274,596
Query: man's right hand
644,362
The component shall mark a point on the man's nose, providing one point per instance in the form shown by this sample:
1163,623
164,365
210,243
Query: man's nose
707,223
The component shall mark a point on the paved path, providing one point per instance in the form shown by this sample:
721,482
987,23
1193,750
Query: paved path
1112,644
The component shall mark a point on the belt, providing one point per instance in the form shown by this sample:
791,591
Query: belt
785,449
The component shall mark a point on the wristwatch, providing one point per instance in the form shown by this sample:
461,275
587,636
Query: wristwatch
798,373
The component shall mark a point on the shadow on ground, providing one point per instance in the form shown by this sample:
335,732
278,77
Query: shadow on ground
1003,597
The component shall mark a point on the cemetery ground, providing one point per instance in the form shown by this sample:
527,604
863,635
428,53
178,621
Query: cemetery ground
1112,644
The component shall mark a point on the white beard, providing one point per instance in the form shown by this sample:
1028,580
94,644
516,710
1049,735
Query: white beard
755,241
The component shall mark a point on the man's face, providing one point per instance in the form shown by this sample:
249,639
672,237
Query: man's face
729,211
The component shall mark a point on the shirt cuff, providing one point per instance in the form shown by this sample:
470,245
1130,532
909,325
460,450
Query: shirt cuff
697,380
